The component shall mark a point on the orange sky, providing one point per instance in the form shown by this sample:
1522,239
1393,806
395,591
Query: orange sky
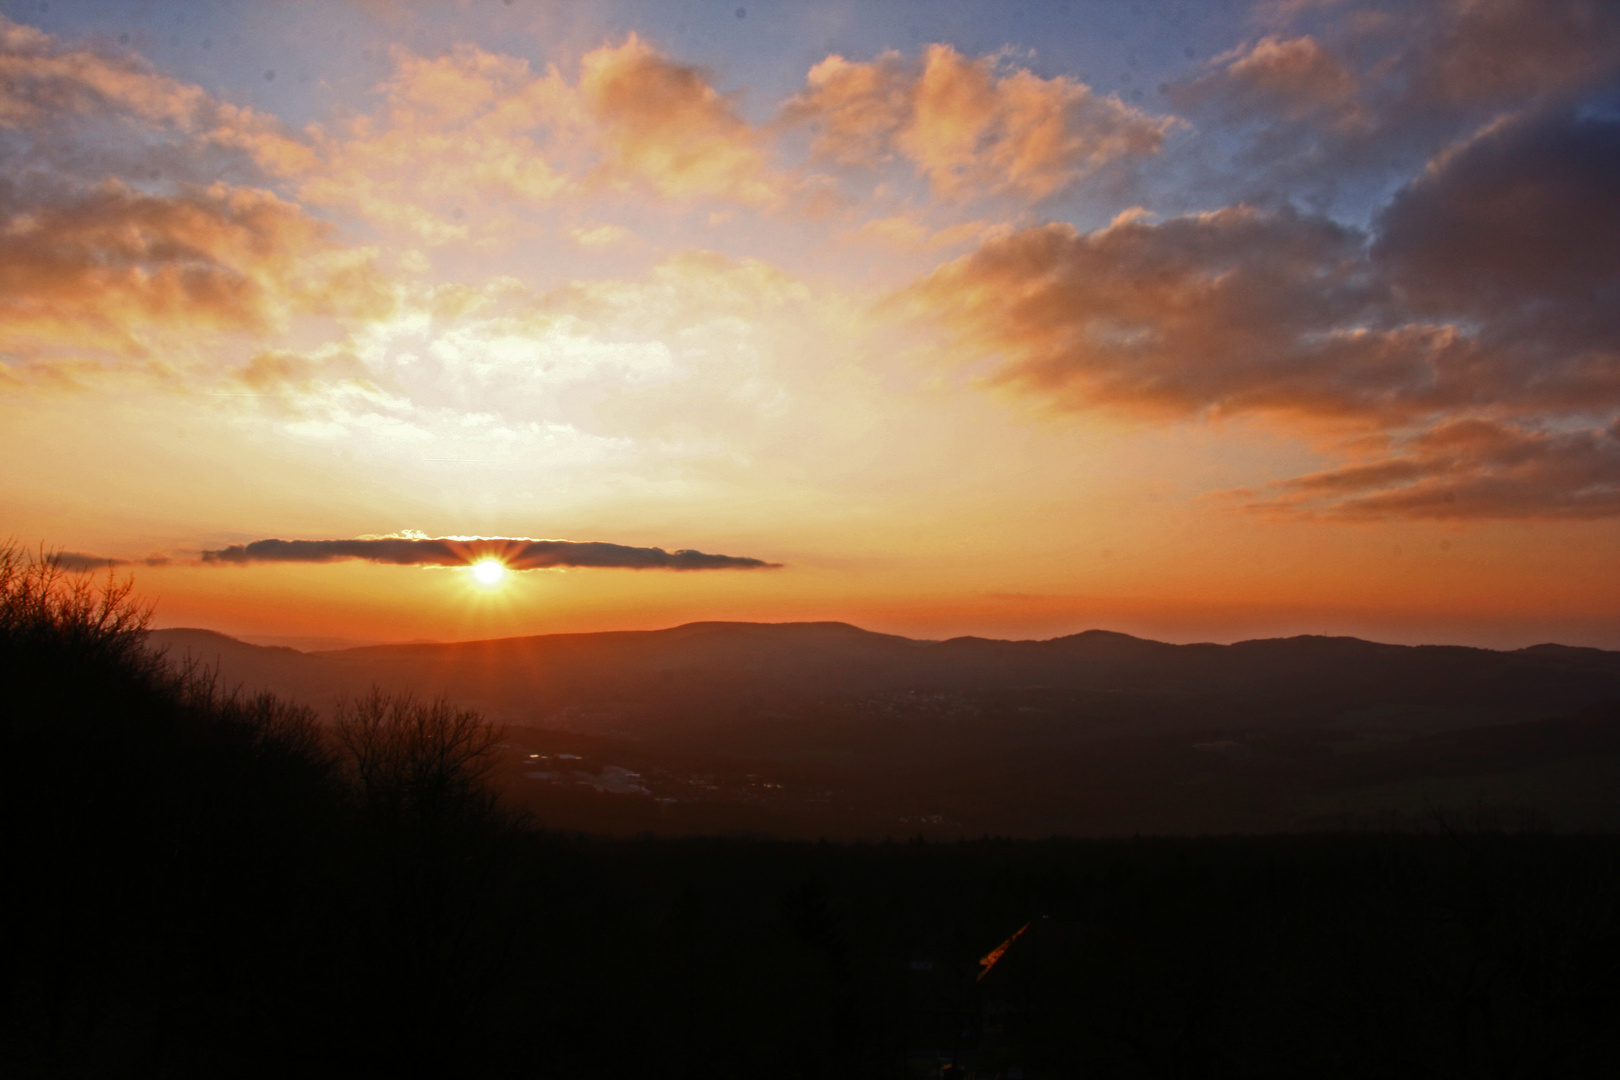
1300,318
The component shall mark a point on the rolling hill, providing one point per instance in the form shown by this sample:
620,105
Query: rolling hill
842,730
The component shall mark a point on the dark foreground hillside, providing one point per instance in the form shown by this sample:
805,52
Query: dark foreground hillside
214,887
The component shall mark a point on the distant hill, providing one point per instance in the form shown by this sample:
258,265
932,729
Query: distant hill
701,677
828,729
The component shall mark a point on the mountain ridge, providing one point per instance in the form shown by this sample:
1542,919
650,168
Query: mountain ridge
835,728
1089,635
728,668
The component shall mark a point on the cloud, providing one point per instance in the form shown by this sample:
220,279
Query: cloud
1515,234
118,235
905,233
1499,51
143,124
41,80
96,267
1521,218
461,135
466,130
77,562
1470,469
600,236
1292,78
517,553
1484,302
700,368
1336,113
663,124
1223,312
1491,284
971,127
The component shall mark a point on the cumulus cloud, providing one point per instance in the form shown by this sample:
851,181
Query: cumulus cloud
1294,78
664,124
1515,234
1520,216
461,135
1491,284
516,553
454,132
116,228
145,124
41,80
1470,469
96,267
1375,87
1496,51
1484,302
1219,312
971,127
460,141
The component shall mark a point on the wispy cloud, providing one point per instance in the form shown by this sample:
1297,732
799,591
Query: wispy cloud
79,562
516,553
1469,469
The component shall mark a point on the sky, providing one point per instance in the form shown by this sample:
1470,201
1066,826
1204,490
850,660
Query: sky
1199,321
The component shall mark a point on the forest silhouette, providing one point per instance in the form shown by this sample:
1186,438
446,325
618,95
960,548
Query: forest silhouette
203,882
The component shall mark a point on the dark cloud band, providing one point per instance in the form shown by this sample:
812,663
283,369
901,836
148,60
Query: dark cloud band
516,553
79,562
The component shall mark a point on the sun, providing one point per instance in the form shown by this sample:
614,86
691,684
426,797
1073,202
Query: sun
489,571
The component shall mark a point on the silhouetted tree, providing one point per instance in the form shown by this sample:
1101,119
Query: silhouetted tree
417,758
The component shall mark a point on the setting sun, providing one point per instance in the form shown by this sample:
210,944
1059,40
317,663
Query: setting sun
489,571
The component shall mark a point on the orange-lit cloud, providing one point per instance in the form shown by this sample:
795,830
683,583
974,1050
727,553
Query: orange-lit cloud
460,134
1491,272
117,239
908,234
41,81
454,132
515,553
1471,469
970,126
145,125
1223,312
1464,51
663,124
96,268
1485,300
1293,78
